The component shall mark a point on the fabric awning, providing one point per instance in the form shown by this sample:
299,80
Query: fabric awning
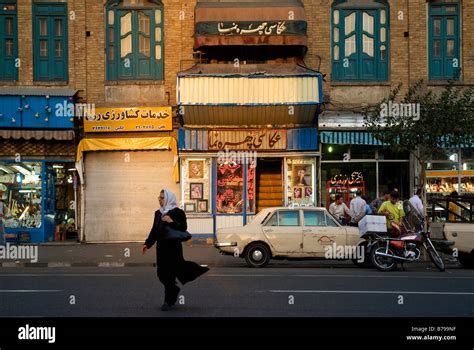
276,22
37,134
128,144
349,138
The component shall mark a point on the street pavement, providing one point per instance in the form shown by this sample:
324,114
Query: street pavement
74,287
275,291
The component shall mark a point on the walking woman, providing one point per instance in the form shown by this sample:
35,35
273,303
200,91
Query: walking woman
169,253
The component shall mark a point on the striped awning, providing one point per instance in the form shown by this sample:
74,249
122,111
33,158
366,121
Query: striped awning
37,134
349,138
263,22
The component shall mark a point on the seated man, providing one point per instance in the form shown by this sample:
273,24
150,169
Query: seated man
339,209
394,214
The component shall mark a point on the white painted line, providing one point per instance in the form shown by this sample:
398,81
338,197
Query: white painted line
369,292
64,275
59,264
30,290
111,264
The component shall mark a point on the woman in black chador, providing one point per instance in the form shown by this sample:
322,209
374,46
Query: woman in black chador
169,253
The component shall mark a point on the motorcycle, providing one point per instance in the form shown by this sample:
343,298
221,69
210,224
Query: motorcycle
386,251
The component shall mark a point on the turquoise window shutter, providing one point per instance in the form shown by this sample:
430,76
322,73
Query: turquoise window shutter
360,38
444,41
134,43
50,45
8,41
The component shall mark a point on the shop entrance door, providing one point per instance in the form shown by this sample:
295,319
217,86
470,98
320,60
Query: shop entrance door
269,183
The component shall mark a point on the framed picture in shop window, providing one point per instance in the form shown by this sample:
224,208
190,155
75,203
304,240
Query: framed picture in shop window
196,169
202,206
196,190
190,207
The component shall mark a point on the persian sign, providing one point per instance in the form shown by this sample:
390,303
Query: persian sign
247,139
246,28
129,119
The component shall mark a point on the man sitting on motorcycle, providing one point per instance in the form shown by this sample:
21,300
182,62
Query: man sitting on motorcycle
394,214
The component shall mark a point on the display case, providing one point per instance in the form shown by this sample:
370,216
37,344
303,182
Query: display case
31,199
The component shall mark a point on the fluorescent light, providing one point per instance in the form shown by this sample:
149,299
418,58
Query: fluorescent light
5,169
24,213
21,170
58,166
71,169
27,191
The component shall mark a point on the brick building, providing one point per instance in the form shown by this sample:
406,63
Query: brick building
124,56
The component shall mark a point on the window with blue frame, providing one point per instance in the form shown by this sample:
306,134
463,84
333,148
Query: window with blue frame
134,40
444,40
360,40
50,41
8,40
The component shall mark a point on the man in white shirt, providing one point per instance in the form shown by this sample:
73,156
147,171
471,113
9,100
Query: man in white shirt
339,209
416,202
357,207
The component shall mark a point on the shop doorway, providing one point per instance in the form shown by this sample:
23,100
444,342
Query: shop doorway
269,183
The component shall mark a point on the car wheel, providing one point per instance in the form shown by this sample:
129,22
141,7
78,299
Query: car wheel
257,255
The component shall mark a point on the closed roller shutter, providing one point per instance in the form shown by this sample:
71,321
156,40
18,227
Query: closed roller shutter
121,196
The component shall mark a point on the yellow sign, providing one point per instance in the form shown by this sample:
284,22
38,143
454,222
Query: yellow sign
129,119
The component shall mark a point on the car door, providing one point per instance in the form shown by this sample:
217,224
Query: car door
321,230
284,231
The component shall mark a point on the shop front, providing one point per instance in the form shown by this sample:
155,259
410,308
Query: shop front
37,163
40,199
227,176
122,173
451,170
354,161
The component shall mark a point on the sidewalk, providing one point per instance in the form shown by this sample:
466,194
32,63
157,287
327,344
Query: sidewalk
129,254
110,255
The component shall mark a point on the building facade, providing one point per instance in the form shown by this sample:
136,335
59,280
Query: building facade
165,92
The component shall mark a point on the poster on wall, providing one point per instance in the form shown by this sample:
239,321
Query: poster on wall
229,192
300,181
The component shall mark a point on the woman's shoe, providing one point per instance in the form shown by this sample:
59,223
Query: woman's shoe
166,307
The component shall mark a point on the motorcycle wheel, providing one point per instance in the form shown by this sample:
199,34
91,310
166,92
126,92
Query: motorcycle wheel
382,263
434,256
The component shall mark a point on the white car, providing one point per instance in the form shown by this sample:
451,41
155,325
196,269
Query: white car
290,233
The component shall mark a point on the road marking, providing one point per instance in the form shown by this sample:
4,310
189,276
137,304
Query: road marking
369,292
31,290
65,275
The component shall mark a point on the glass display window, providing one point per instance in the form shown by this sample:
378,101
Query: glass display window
196,188
229,188
23,196
251,187
301,174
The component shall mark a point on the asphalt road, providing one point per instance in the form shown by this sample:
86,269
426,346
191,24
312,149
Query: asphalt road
279,290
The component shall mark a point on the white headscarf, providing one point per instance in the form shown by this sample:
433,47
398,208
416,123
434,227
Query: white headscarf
169,202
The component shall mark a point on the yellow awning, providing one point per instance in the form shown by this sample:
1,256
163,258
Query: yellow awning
130,144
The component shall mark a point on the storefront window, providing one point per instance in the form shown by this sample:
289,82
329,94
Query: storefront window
251,187
300,181
389,154
229,192
362,152
22,197
196,190
335,152
346,179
